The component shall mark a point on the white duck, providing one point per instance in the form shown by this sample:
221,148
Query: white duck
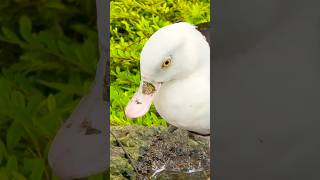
175,71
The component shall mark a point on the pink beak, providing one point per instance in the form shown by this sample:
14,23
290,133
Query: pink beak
142,99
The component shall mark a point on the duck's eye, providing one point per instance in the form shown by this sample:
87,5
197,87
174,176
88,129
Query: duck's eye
167,62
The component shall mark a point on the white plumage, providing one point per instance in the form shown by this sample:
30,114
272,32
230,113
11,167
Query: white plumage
182,95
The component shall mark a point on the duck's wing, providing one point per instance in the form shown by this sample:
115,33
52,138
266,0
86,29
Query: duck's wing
204,28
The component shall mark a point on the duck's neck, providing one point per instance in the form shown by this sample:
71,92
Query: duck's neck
203,51
202,68
204,58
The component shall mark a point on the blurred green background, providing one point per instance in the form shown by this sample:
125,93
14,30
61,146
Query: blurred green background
48,57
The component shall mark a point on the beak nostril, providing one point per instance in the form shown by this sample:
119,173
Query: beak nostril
148,88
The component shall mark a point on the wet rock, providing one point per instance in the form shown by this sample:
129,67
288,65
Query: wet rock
158,152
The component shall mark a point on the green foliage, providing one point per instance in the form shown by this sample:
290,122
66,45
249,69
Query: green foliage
132,23
48,57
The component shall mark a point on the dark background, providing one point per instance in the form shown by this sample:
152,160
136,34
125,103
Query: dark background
266,88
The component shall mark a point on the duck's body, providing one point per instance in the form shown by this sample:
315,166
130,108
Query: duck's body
181,84
185,102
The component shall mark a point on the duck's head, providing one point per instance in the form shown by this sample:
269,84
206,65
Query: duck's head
171,53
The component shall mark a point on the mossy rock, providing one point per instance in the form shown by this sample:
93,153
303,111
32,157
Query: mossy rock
157,151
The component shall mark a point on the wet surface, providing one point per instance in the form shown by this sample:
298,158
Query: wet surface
159,153
167,175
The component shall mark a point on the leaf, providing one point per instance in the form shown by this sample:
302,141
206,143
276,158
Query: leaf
36,166
12,164
17,176
66,49
14,135
48,38
4,174
18,99
55,5
5,89
25,27
8,34
67,88
3,152
51,103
